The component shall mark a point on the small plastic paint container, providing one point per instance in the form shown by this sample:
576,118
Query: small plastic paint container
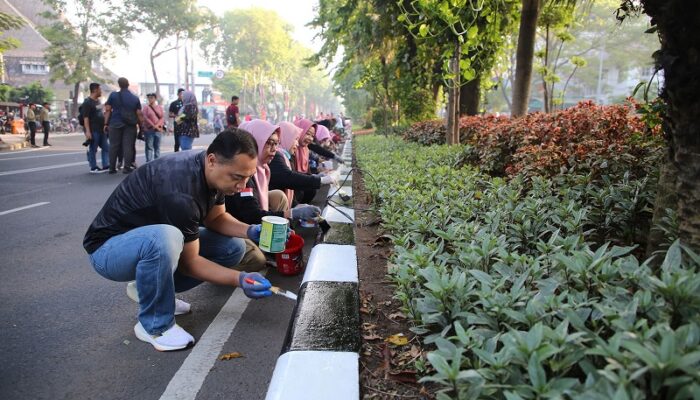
273,236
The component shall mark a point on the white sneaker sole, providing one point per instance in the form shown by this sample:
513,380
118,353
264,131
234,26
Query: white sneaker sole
143,336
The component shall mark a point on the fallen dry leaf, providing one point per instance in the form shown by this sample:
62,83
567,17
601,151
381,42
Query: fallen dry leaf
399,339
371,336
230,356
397,315
415,351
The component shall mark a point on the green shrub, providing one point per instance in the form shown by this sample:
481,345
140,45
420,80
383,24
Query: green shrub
584,139
529,288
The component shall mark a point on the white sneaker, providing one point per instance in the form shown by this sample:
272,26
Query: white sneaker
181,306
174,338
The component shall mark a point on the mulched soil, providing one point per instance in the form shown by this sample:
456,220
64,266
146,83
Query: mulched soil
386,364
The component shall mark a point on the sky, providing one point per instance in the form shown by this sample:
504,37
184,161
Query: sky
134,64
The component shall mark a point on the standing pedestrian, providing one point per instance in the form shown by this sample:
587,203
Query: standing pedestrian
45,124
31,121
123,116
218,124
232,114
186,122
95,129
155,123
173,111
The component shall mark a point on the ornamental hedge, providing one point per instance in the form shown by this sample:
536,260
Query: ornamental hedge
583,138
529,287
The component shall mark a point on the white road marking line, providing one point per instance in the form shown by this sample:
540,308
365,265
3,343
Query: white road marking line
29,150
24,208
28,170
188,380
42,156
37,169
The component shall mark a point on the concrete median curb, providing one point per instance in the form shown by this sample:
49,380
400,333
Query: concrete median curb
320,355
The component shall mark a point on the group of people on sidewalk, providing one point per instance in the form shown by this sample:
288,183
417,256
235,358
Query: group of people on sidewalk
114,126
195,216
34,121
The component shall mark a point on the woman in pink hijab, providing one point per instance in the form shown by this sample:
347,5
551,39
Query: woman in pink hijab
308,130
267,137
283,176
322,134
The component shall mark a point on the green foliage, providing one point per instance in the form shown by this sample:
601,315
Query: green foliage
586,139
257,47
513,286
168,21
33,93
479,28
78,40
9,22
383,66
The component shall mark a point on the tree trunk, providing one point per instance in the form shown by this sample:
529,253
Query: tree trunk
678,57
76,93
153,69
524,56
469,97
666,198
545,89
453,99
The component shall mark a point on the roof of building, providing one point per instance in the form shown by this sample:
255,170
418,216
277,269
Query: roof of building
32,43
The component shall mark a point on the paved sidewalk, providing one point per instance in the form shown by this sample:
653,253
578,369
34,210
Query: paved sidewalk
9,142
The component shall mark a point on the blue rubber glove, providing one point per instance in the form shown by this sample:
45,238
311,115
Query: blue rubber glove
254,285
305,211
253,233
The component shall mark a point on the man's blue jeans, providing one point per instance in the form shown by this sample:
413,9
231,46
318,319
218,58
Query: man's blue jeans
152,145
99,139
150,255
186,142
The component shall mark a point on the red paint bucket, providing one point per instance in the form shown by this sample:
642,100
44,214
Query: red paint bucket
291,260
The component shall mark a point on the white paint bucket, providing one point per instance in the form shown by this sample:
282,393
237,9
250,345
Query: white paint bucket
273,236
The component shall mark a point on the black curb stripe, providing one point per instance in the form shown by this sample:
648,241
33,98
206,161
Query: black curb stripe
326,318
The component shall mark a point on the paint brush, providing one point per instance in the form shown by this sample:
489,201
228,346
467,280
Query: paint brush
274,289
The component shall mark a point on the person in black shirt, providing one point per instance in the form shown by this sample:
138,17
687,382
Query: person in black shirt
94,126
173,111
166,227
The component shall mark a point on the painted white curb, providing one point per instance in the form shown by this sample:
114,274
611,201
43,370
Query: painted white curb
332,263
315,375
331,214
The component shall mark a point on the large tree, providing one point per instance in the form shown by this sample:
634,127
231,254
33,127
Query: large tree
677,23
8,22
78,39
472,36
170,21
381,57
265,65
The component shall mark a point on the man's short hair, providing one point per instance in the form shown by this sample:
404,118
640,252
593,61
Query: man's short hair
46,103
232,142
234,98
94,86
151,95
123,83
180,90
31,104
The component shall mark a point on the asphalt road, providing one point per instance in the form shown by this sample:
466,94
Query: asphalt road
67,333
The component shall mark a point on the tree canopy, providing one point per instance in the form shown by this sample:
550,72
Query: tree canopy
266,67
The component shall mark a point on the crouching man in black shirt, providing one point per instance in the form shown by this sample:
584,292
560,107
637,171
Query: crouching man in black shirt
165,226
